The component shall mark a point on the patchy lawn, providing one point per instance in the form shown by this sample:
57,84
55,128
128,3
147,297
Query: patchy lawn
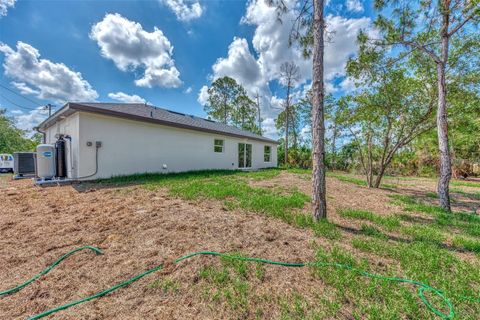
143,221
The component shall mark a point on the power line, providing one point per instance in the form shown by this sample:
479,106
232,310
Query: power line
19,106
20,95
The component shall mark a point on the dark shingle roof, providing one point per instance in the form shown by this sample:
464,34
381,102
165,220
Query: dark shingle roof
148,113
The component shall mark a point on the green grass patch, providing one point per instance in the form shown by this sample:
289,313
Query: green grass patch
299,171
349,179
432,195
371,231
167,285
467,243
236,193
471,195
357,181
467,223
230,285
411,204
459,183
430,264
389,222
424,233
367,298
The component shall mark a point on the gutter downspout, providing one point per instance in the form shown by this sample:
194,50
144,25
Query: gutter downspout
44,136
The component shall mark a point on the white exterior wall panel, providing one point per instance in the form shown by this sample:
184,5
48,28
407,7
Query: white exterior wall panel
67,126
130,147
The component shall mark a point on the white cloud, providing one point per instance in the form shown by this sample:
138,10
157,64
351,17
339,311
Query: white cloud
188,90
347,85
270,39
203,96
43,78
355,5
26,121
4,5
130,47
342,44
24,88
271,48
184,10
269,129
240,65
123,97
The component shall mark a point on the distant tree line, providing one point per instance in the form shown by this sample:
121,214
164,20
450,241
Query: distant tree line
13,139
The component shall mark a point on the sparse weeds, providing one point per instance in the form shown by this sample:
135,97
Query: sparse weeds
167,285
389,222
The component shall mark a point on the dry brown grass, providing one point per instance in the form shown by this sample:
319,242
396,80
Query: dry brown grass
138,229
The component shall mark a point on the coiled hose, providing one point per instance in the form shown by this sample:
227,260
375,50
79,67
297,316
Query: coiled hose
422,287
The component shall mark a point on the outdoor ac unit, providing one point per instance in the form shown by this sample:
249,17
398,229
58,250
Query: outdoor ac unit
24,163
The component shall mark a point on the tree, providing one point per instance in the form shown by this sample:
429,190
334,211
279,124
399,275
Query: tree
229,103
293,122
221,98
334,116
244,112
389,110
258,107
13,139
429,27
308,30
289,75
319,202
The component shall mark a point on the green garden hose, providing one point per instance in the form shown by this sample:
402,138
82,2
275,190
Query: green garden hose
47,269
422,287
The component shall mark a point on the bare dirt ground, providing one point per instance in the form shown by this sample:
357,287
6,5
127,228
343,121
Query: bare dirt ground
138,229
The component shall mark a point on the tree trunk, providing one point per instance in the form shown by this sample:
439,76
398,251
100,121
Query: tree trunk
334,147
442,128
259,115
442,123
225,110
319,204
286,133
370,161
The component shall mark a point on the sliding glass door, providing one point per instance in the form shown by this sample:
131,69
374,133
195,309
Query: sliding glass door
244,155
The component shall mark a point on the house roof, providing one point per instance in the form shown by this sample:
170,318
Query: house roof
147,113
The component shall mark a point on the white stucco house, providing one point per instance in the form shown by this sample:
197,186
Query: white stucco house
113,139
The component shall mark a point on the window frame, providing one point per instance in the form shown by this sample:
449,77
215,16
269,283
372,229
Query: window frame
215,145
269,153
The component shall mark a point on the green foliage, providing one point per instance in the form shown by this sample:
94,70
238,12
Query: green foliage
299,157
244,113
390,108
13,139
229,103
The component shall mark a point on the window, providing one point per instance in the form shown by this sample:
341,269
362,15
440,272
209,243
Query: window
218,145
244,155
267,150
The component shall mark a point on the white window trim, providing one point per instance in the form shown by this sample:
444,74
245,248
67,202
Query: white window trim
215,145
269,154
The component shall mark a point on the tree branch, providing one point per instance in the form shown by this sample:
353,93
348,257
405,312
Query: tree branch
462,23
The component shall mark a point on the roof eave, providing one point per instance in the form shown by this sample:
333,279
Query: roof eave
72,106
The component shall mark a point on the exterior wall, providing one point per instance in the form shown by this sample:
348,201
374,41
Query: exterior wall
68,126
130,147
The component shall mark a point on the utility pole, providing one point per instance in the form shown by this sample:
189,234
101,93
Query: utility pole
257,98
49,107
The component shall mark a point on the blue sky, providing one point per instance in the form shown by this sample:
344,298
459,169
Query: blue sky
160,51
